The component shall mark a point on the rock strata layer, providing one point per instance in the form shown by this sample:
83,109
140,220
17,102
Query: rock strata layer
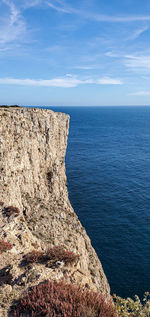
32,179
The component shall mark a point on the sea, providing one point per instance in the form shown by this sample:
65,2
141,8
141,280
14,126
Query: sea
108,176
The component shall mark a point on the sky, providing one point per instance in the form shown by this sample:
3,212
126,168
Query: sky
75,53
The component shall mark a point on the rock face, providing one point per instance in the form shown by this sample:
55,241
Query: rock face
32,178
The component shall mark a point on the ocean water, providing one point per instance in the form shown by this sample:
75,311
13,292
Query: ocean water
108,171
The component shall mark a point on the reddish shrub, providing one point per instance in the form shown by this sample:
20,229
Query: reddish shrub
4,246
59,254
33,256
52,254
10,210
51,299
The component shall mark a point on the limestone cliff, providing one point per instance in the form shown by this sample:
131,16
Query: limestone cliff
32,178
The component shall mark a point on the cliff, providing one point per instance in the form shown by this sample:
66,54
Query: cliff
35,212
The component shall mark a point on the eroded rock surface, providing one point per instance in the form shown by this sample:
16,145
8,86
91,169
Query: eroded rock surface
32,178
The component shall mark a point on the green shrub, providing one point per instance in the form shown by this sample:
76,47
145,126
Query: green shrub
133,308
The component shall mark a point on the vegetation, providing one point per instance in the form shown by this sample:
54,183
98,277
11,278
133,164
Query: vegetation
5,246
34,257
53,298
133,308
10,210
52,254
58,299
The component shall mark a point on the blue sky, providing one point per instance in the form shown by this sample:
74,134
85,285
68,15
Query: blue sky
65,52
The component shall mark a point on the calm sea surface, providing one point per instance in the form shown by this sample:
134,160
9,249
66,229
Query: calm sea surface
108,170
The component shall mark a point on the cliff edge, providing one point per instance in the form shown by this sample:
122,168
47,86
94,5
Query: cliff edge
35,212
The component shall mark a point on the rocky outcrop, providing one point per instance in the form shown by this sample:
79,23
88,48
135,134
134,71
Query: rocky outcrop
33,182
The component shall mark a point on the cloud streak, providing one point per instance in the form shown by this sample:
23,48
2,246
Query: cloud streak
88,67
140,93
66,82
109,81
118,19
13,25
138,62
63,8
31,3
59,9
135,62
138,33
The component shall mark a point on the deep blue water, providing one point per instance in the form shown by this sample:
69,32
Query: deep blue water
108,170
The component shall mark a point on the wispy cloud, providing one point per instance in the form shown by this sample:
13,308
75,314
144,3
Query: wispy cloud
31,3
118,19
109,81
137,33
86,67
57,8
62,7
56,82
135,62
13,25
111,54
141,63
65,82
140,93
